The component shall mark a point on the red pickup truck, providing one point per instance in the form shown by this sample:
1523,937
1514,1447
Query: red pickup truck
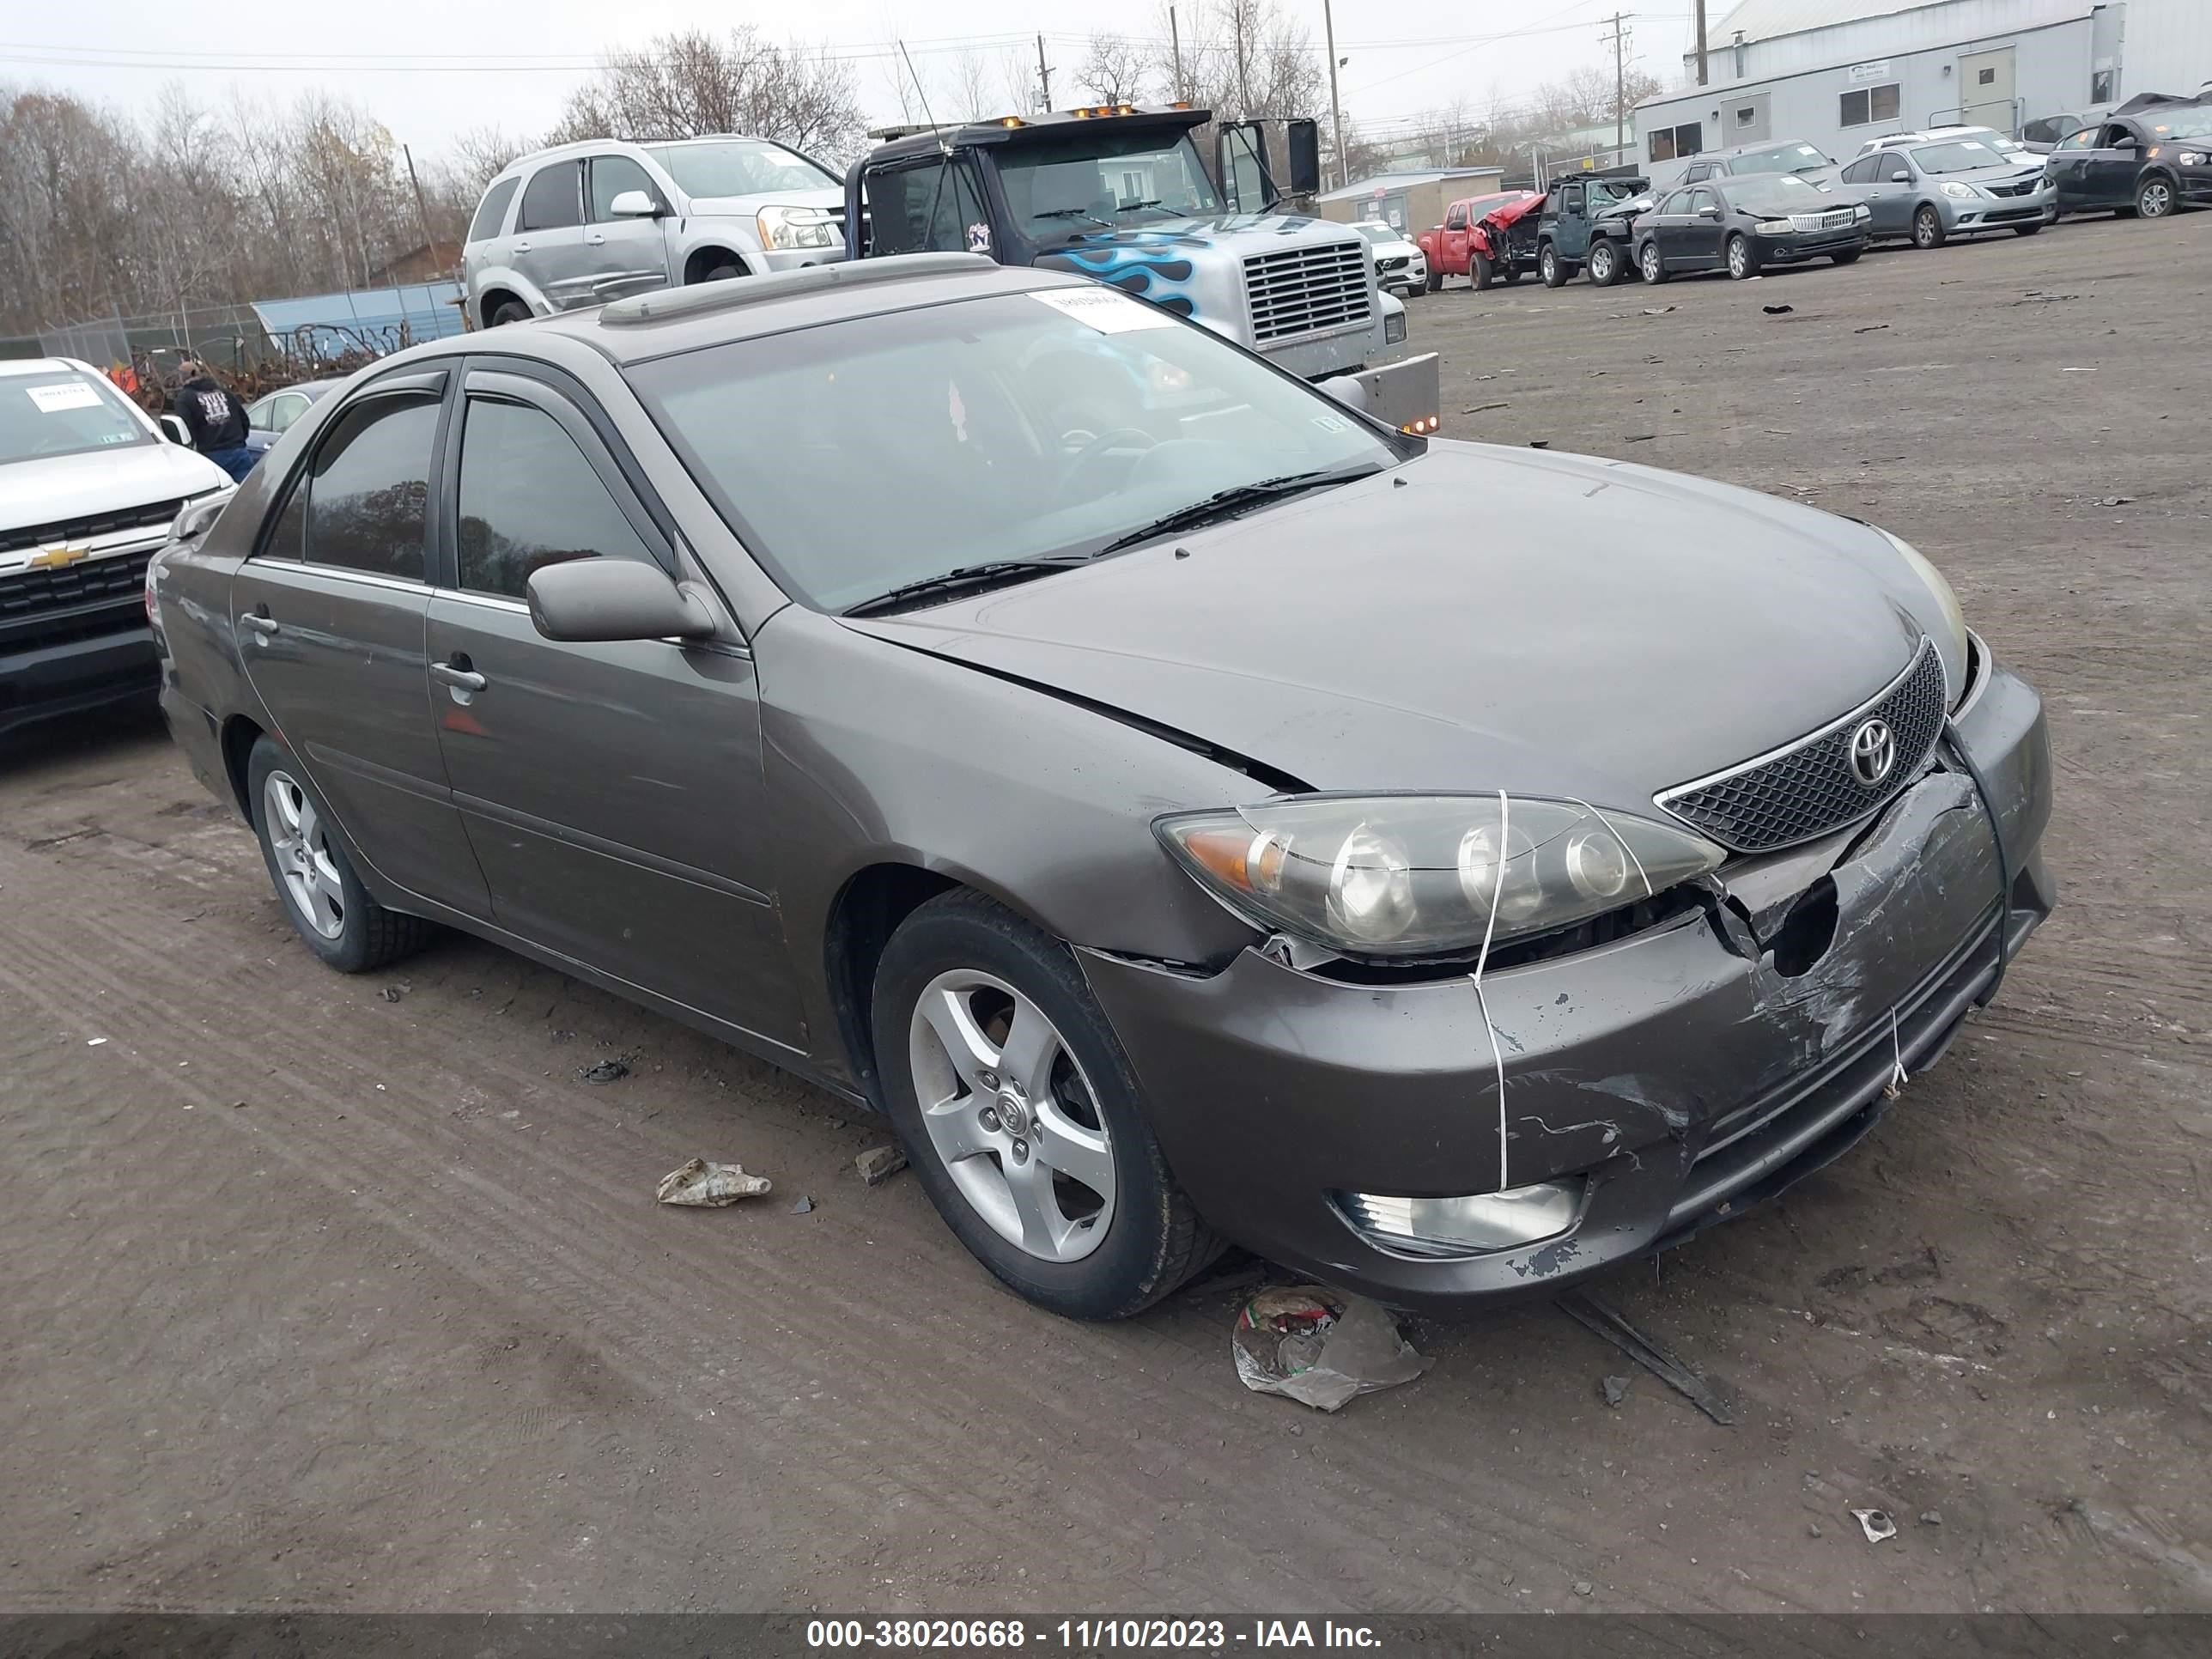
1449,247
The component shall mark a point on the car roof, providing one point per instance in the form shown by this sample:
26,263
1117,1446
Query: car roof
44,366
583,146
671,322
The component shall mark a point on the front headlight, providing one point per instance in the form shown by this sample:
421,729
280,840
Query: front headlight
1428,875
1774,227
797,227
1958,191
1955,619
1862,211
1394,328
2192,158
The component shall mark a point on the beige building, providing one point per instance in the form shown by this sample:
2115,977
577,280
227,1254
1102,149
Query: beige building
1413,202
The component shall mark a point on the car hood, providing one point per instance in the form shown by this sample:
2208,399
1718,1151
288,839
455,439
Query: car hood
1480,618
101,481
738,207
2008,173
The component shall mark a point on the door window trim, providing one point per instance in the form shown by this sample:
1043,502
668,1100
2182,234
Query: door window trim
439,382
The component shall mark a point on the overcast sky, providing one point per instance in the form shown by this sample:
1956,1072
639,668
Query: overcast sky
430,69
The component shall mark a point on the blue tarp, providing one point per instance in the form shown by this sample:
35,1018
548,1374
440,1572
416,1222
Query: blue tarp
378,319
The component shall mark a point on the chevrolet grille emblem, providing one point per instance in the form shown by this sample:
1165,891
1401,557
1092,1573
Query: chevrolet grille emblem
53,558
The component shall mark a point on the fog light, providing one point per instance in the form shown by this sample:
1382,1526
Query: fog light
1466,1225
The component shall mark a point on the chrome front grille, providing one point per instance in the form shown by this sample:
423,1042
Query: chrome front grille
2025,186
1809,788
1308,290
1840,219
153,515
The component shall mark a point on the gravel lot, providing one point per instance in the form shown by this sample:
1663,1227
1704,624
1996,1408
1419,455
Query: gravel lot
351,1294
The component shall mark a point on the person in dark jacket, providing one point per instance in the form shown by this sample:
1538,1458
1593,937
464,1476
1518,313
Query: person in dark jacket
215,419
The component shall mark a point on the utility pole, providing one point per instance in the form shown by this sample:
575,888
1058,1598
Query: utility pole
1174,44
1619,38
1045,74
1701,42
1335,109
422,212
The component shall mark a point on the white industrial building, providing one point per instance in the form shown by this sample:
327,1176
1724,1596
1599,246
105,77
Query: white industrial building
1835,73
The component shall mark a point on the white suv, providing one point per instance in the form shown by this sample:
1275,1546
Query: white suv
593,221
89,484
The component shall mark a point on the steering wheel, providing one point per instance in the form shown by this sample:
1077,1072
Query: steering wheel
1095,451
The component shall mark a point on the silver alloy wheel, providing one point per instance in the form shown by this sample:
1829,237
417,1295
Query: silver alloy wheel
1924,227
1651,261
1601,263
2155,200
1738,256
303,851
1011,1115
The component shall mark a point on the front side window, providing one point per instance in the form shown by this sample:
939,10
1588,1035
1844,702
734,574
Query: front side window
740,166
493,214
611,176
63,411
551,202
1010,426
1456,219
361,504
1063,186
529,498
924,209
2085,139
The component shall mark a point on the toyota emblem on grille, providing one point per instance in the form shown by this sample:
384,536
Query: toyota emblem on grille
1873,752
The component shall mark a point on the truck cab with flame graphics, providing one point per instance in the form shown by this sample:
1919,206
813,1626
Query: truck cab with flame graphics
1118,193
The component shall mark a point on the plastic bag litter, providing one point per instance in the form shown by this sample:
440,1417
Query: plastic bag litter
709,1184
1319,1346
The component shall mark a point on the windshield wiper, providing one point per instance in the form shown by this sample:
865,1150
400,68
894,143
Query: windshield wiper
1132,207
968,578
1072,213
1228,503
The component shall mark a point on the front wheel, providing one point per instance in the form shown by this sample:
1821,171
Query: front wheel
2153,198
1927,228
323,899
1604,267
1651,266
1549,268
1019,1113
1742,264
1850,256
2025,230
1477,270
1511,274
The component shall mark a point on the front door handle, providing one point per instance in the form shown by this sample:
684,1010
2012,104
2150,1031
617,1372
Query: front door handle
260,621
596,239
522,247
457,674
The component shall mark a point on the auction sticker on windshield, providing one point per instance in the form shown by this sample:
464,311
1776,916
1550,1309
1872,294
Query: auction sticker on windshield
70,394
1104,309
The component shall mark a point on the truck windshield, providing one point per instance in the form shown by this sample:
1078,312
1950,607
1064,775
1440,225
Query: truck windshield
63,412
1071,183
863,456
739,167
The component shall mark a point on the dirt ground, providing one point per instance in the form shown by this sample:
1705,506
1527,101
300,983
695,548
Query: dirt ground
351,1294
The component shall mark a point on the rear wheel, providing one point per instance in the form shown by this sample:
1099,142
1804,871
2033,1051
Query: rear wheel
2153,198
1651,266
1742,263
1436,279
1477,270
323,898
1549,267
1927,228
1604,266
1019,1113
1511,275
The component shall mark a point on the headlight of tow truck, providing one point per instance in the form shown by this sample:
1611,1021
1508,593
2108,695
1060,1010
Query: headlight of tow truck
1428,875
1947,601
797,227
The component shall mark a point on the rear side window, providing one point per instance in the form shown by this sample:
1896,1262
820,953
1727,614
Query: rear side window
530,498
492,213
361,504
611,176
551,202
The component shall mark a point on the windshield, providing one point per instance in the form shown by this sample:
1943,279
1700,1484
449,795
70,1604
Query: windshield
1783,158
2192,123
862,456
1103,175
63,412
1786,194
1963,156
740,166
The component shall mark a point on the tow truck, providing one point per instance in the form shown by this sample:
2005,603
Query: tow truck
1118,193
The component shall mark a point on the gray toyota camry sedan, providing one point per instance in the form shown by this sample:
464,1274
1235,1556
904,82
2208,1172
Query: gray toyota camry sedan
1019,710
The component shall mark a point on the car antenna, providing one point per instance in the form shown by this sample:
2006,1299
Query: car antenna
921,92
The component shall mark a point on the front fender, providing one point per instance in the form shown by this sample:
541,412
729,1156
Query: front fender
738,235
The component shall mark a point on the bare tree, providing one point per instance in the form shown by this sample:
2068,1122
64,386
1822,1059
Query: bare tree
691,84
1115,69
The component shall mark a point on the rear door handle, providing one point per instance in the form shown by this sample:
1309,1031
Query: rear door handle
457,674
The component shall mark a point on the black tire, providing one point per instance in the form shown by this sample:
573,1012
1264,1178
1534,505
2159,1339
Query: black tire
1850,256
2025,230
723,273
1927,232
1649,265
510,310
2154,198
369,936
1477,270
1435,280
1742,263
1551,268
1154,1239
1605,265
1511,275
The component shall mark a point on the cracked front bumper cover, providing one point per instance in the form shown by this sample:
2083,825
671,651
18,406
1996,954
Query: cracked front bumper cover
1684,1081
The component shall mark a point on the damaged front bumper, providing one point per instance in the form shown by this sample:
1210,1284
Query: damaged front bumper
1680,1075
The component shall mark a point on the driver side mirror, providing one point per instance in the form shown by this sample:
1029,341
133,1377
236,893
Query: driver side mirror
1709,213
174,429
1304,138
634,204
591,600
